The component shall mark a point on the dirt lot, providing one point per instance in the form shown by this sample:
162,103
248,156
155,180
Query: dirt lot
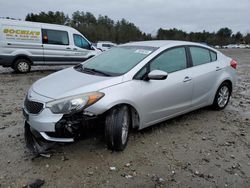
204,148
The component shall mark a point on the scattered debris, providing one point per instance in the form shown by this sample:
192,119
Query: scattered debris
46,155
91,173
64,158
36,184
159,181
232,156
128,176
206,160
112,168
4,114
127,164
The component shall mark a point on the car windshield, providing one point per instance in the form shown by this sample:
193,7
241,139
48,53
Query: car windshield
118,60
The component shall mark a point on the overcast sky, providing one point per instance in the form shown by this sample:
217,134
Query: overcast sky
148,15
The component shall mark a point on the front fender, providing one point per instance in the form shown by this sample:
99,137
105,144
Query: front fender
123,93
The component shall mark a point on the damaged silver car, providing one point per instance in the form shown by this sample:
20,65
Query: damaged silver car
131,86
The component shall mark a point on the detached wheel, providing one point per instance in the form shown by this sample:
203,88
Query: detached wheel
222,96
117,125
21,66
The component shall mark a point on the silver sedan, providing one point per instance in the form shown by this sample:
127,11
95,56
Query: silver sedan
131,86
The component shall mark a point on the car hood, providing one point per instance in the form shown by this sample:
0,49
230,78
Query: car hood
69,82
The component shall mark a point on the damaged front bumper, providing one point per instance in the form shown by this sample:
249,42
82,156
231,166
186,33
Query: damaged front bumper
41,135
58,127
44,126
45,123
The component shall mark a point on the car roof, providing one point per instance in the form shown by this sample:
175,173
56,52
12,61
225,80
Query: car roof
163,43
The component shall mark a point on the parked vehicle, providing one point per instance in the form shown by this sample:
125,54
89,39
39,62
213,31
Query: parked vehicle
24,44
105,45
131,86
229,46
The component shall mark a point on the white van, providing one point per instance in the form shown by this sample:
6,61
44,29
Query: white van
23,44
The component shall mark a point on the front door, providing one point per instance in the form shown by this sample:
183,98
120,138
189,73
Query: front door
166,98
82,49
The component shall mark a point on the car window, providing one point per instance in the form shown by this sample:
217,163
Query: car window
80,42
141,73
213,56
200,55
170,61
55,37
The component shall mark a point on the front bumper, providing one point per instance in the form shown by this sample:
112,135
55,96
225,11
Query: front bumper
45,123
54,127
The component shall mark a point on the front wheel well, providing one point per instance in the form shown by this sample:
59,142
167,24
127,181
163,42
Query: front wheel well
135,119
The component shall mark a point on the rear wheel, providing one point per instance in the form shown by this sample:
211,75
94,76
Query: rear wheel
21,65
222,96
117,125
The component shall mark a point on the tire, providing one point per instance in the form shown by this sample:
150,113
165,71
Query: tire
21,66
117,124
222,96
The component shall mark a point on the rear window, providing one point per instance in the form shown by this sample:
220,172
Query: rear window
202,55
55,37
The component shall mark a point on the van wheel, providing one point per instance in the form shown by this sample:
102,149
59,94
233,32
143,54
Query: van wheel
222,96
22,65
117,125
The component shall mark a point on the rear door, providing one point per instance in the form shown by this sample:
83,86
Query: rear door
205,72
56,45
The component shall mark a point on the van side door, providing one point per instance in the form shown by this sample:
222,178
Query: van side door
56,45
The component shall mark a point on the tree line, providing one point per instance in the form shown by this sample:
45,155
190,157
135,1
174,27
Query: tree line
103,28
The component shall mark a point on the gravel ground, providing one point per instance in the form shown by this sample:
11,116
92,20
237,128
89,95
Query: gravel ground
204,148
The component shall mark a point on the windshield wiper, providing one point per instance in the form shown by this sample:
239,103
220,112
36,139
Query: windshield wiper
79,67
95,71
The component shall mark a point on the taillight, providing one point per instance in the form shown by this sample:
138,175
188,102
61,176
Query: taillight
233,64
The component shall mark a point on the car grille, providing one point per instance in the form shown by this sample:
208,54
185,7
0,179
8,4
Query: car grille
32,106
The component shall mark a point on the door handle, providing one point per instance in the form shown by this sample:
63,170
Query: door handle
187,79
68,48
218,68
75,49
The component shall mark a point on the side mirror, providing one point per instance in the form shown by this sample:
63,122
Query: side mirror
91,46
157,75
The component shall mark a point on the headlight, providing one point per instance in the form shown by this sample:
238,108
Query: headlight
74,104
